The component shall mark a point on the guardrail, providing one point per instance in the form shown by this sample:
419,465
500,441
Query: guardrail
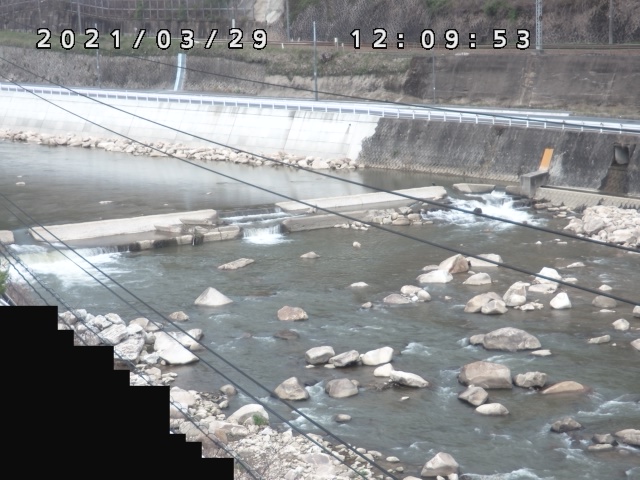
373,109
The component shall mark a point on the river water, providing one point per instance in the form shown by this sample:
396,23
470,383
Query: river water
430,339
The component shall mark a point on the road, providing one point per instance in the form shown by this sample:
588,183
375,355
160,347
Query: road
500,116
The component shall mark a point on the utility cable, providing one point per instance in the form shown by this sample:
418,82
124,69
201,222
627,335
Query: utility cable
345,216
327,175
4,251
386,102
253,397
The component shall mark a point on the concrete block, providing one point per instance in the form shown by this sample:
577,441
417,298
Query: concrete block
6,237
530,182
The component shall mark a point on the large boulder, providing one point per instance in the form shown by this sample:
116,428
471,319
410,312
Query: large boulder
345,359
377,357
494,307
478,262
604,302
510,339
249,414
291,389
212,298
560,301
485,375
171,351
476,303
516,295
568,386
530,379
435,276
630,436
455,264
317,355
408,379
550,273
341,388
565,424
476,396
442,464
383,370
493,409
478,279
396,299
292,314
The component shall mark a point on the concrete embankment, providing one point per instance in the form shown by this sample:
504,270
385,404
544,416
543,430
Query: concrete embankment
598,162
606,163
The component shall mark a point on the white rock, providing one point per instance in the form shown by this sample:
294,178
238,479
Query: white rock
212,298
548,272
475,262
494,307
560,301
510,339
636,311
383,370
621,324
291,389
441,464
541,353
435,276
345,359
396,299
475,304
359,284
310,255
455,264
576,264
605,288
516,295
317,355
478,279
604,302
636,344
530,379
248,412
409,290
341,388
356,245
292,314
377,357
492,409
408,379
485,375
545,288
236,264
476,396
602,339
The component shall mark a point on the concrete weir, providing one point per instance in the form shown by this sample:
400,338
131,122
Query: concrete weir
143,233
365,200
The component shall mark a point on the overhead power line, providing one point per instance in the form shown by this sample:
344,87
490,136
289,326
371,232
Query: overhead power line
345,216
316,172
206,347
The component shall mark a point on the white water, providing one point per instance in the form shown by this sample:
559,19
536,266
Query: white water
270,235
497,204
66,265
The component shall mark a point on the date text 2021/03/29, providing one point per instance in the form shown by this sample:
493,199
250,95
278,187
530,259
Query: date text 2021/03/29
163,39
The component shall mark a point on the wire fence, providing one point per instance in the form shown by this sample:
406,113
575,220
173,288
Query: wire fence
584,21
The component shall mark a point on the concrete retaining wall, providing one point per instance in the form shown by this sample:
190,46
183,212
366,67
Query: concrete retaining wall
580,159
326,135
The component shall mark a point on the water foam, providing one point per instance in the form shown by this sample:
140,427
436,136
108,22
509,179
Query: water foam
496,204
270,235
416,348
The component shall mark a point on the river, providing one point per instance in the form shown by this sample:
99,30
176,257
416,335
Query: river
64,185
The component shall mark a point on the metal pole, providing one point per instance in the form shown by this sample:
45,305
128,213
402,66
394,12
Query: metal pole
315,61
539,25
288,31
98,61
79,19
610,22
433,67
